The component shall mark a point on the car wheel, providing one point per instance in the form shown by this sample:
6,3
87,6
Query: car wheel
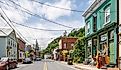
15,65
7,67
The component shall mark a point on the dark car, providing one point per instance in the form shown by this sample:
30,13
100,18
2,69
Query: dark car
27,61
7,63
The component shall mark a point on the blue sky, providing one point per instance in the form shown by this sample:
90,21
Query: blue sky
68,18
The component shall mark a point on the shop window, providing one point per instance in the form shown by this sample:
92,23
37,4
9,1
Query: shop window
94,47
103,44
89,48
89,51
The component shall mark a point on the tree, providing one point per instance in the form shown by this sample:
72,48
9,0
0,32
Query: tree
79,47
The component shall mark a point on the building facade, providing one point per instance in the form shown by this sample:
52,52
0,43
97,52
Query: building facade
101,29
8,43
21,49
65,45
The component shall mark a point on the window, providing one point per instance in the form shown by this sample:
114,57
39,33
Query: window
20,54
72,45
64,45
87,27
11,42
8,41
107,15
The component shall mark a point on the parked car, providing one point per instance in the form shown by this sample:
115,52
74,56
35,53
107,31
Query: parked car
38,59
27,61
7,63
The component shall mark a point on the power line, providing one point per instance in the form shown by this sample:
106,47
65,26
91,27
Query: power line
10,24
57,7
36,28
36,15
15,26
66,8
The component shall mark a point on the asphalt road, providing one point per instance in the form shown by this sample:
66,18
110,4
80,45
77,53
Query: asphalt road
45,65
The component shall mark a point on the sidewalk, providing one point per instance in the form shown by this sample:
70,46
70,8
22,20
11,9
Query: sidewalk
86,67
83,67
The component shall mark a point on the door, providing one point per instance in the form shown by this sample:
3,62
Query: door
112,52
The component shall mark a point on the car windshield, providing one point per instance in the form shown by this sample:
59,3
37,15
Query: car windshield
4,59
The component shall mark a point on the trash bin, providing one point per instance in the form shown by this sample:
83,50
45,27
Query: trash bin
70,61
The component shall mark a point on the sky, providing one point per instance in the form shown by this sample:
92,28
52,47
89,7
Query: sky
65,17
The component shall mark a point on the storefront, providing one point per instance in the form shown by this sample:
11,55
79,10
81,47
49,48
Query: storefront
103,42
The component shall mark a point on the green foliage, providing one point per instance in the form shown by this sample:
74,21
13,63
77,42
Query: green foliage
78,53
79,49
51,46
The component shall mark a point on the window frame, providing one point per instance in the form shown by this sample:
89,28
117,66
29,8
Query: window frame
88,27
107,13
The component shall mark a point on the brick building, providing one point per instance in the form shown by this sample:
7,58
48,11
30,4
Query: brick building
65,45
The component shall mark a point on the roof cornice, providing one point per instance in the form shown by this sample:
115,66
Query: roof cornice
93,7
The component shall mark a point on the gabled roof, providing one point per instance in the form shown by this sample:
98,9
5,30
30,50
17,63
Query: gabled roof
5,31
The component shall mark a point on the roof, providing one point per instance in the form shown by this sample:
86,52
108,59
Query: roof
5,31
93,7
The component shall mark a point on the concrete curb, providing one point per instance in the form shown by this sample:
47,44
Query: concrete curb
83,67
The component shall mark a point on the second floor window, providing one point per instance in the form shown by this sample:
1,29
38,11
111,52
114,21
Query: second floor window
87,27
94,23
107,15
64,45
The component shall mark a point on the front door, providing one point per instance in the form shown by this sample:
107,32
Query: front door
112,53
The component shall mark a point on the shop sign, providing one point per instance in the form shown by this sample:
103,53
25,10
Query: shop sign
103,37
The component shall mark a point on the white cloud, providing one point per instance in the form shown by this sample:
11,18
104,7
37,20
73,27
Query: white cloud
54,13
90,1
44,37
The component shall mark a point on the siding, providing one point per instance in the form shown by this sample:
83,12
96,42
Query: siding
100,15
2,47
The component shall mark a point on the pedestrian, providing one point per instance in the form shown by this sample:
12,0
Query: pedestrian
99,61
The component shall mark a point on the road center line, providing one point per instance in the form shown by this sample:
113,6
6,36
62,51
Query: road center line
45,66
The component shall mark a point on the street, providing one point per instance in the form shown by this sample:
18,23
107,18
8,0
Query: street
45,65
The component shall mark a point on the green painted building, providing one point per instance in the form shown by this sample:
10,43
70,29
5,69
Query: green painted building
101,29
